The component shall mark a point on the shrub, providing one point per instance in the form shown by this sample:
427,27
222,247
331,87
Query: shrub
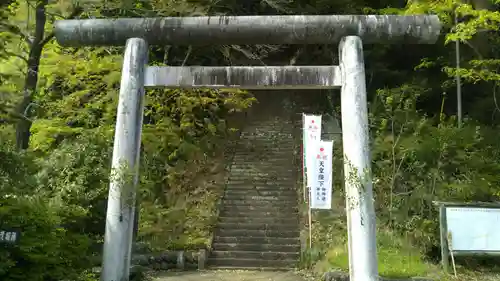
46,250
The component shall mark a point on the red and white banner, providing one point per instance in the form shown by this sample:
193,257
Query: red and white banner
321,175
311,134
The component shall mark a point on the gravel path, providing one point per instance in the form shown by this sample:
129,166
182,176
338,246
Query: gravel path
229,275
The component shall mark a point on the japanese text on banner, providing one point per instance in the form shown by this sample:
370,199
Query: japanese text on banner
311,135
321,189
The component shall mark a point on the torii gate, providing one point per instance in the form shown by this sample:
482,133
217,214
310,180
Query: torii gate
349,76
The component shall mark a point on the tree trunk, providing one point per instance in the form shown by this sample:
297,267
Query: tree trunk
24,125
37,44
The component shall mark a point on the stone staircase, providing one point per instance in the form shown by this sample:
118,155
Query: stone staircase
259,222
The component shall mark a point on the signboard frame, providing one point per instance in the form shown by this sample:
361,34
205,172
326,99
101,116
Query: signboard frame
446,252
6,234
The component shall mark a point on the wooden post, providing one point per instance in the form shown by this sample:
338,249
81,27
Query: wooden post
445,252
304,183
310,220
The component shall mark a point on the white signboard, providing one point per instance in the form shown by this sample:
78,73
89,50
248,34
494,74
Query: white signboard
311,134
9,236
473,229
321,175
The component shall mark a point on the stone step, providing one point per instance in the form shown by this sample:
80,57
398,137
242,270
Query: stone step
285,137
264,154
261,203
260,185
223,226
262,220
257,233
259,190
261,177
264,161
256,255
255,191
250,141
261,169
242,213
246,143
252,268
277,119
256,247
250,263
265,170
244,178
256,177
263,182
264,127
261,151
268,133
247,147
278,123
265,157
257,151
257,240
292,197
258,210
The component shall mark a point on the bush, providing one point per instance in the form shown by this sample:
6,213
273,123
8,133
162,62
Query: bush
77,172
46,250
52,245
418,160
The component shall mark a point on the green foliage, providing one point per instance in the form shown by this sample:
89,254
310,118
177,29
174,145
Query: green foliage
50,246
46,249
420,160
13,170
73,123
397,257
417,160
419,154
77,172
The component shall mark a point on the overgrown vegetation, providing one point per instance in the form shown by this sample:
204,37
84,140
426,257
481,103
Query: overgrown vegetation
419,153
55,192
53,181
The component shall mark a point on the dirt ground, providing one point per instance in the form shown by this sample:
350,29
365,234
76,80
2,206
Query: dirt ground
229,275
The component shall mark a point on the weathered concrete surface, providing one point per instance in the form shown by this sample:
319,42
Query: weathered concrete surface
229,275
241,30
241,77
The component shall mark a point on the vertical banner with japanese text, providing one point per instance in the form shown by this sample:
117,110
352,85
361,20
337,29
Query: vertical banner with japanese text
311,135
321,175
